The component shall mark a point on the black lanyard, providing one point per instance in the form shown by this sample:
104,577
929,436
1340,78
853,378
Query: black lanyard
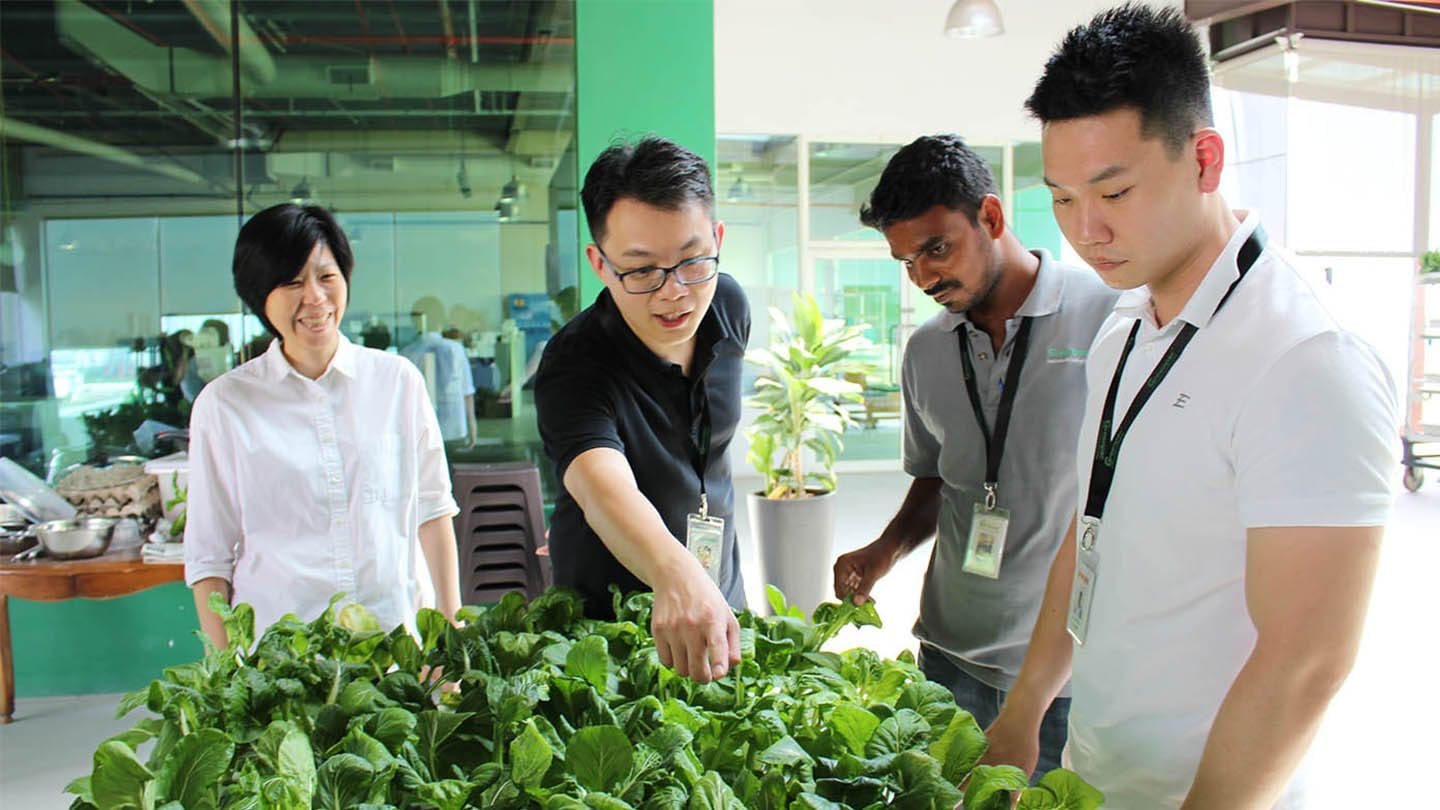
995,446
701,457
1107,446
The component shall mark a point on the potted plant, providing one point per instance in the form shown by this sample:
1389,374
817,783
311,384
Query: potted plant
805,405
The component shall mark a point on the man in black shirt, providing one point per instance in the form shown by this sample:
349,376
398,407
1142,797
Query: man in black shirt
638,398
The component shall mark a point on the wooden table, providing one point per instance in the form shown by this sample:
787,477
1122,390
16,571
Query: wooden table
104,577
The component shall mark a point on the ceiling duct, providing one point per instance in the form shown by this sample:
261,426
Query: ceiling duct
185,72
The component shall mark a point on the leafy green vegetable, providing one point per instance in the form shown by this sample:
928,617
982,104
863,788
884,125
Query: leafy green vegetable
550,710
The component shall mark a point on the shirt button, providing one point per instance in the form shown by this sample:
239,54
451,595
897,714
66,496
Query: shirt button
984,356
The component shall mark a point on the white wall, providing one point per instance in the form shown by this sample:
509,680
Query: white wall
867,68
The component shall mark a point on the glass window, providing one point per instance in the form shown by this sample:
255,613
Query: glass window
757,199
441,134
842,175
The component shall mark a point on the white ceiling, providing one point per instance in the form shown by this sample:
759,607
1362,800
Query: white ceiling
866,69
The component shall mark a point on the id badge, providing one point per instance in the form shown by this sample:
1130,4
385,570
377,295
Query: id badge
705,536
986,547
1082,592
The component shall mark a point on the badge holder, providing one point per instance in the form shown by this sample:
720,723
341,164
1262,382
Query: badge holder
985,548
1087,564
705,537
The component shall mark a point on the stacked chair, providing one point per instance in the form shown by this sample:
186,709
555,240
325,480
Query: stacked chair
500,531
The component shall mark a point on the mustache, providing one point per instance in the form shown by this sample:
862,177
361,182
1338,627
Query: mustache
936,289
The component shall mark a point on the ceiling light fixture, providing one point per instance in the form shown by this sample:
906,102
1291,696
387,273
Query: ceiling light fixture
510,192
462,179
970,19
505,211
302,191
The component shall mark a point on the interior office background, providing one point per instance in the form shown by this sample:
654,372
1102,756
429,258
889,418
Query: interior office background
450,137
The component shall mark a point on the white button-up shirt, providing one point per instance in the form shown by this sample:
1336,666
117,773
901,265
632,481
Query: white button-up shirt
301,489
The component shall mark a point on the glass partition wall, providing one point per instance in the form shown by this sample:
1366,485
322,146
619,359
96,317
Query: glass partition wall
135,137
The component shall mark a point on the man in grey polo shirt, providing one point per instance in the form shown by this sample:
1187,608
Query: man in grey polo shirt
997,490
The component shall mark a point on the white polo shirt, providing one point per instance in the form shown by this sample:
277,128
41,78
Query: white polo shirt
1273,416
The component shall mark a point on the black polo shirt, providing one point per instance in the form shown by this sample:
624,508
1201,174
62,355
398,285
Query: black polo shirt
599,386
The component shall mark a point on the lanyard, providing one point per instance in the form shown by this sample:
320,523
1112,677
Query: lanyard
701,457
1107,447
995,447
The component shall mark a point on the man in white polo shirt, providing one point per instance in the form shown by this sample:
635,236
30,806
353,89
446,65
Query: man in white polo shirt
1236,458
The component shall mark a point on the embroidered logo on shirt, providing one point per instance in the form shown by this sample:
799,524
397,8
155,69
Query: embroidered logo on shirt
1059,355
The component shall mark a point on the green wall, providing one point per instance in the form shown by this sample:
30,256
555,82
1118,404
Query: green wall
82,646
1035,220
642,66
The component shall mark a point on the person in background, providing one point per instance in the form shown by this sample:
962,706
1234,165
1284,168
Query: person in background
638,398
446,369
1236,463
318,467
993,390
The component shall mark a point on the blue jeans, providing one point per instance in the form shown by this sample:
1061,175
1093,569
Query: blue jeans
984,701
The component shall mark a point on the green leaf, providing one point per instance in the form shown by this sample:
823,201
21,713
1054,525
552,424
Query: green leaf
599,756
590,659
80,786
562,802
604,801
990,786
391,726
1068,790
959,746
342,782
669,740
192,773
899,732
446,794
434,728
530,757
712,793
854,724
431,624
933,701
119,780
785,752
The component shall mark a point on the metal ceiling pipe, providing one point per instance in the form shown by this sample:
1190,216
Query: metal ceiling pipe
19,130
214,17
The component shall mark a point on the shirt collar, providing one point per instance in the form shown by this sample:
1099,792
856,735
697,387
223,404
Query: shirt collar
277,367
1200,308
1044,297
634,350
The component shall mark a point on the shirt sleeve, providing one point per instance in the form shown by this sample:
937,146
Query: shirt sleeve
572,410
213,522
1316,442
921,452
467,377
436,499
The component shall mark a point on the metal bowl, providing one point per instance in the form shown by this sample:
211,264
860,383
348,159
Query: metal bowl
75,538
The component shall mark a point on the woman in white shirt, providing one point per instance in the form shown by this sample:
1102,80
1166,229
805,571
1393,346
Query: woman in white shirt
317,467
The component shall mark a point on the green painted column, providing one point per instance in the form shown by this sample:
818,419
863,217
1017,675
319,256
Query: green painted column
642,67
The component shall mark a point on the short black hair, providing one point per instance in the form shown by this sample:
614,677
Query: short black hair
652,170
1132,56
929,171
272,248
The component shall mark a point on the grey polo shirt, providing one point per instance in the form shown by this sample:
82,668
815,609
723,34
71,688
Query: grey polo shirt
984,624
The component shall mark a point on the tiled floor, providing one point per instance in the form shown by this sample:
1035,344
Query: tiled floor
1378,738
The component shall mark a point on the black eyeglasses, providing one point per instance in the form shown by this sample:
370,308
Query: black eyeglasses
649,279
